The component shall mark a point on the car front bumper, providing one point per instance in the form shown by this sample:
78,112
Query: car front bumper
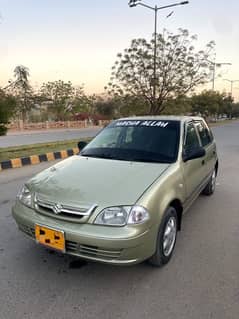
112,245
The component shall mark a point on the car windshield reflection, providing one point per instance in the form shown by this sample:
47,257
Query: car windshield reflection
139,140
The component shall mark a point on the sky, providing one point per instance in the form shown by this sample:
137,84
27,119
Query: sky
78,41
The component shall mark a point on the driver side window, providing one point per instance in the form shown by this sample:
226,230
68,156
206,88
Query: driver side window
191,139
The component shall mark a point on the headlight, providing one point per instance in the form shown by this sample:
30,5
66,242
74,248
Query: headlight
113,216
120,216
138,215
25,196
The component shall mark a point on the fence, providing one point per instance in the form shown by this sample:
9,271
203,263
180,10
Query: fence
22,126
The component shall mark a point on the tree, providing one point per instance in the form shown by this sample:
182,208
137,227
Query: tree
91,103
227,106
235,110
179,106
80,103
22,90
180,68
129,105
21,73
210,103
105,107
60,94
7,107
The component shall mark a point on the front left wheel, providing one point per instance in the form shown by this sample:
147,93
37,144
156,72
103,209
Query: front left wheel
166,240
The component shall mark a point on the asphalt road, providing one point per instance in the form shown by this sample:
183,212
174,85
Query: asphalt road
200,282
26,138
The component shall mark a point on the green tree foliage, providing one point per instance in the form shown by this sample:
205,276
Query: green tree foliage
227,106
129,105
7,108
118,106
105,107
235,110
60,94
210,103
179,106
80,102
180,68
92,99
22,91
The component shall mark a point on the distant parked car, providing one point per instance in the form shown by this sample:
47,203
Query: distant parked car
121,200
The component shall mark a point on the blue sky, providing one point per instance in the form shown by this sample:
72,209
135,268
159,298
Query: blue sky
78,40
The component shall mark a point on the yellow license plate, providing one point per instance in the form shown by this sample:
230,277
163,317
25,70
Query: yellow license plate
50,237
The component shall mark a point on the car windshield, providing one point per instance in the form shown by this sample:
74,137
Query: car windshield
137,140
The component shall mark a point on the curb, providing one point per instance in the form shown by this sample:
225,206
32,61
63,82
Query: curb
37,159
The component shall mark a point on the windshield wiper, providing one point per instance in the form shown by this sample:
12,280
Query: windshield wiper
105,156
128,159
149,160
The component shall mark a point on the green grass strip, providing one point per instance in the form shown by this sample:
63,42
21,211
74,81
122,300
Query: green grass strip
7,153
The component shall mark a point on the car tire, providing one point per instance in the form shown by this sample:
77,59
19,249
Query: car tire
210,188
166,239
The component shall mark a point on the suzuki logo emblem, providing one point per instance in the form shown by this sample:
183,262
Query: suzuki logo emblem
57,209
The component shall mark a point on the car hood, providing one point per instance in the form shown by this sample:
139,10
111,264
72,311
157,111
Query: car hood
104,182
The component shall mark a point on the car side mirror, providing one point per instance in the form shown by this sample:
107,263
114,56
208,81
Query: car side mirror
189,155
81,145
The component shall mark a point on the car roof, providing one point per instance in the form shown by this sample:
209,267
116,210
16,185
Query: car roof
162,118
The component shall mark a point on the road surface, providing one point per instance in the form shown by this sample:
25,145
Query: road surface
26,138
200,282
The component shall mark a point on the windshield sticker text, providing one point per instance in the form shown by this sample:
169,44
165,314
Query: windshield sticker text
143,123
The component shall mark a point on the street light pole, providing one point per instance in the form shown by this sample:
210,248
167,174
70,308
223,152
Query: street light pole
155,53
134,3
232,82
213,76
215,65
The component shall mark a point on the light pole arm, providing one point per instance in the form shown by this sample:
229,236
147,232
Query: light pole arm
161,8
146,6
173,5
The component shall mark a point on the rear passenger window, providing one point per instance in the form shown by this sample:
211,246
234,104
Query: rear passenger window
204,133
191,141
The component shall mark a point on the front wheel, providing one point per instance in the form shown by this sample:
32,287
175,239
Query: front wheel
166,241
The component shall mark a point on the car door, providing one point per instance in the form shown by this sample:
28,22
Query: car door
207,142
194,171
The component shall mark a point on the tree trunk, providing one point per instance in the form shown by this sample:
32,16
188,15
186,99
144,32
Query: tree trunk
156,107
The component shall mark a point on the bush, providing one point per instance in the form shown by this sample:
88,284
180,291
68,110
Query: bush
7,106
3,129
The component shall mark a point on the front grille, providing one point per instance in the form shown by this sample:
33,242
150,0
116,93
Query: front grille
92,251
62,211
71,246
48,210
99,252
27,230
80,250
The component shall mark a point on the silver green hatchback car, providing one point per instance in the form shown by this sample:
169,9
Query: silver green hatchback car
122,198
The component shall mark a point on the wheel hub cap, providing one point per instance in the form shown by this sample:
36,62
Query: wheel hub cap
213,180
169,236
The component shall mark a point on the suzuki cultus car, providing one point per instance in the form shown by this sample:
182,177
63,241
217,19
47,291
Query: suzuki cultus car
121,200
